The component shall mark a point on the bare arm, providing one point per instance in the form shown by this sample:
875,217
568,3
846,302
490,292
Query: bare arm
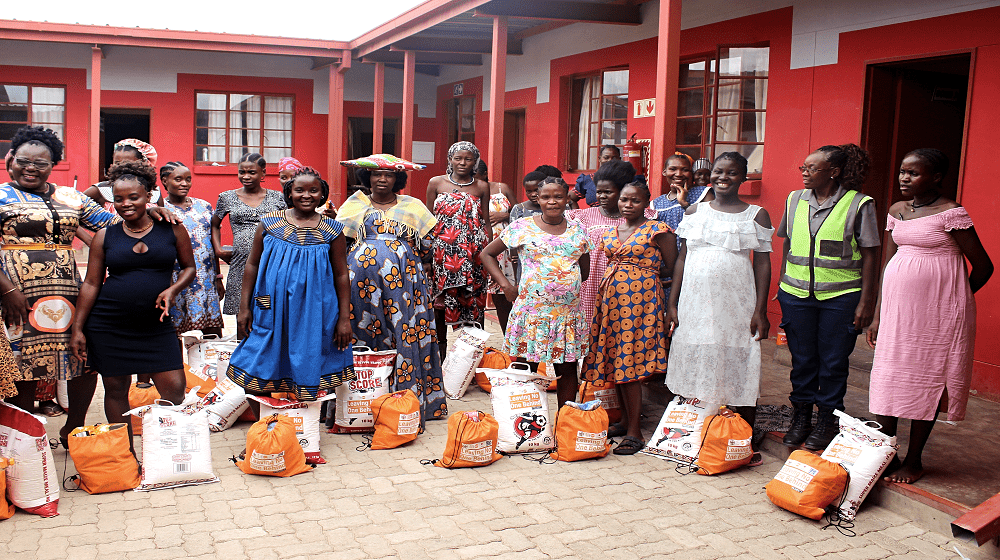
89,291
342,280
889,250
584,266
431,194
667,243
864,313
220,253
484,207
675,288
185,258
244,318
982,266
760,326
489,258
95,194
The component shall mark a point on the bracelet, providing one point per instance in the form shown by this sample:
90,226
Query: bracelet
8,291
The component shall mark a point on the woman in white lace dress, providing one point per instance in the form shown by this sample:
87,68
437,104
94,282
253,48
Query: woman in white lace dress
718,301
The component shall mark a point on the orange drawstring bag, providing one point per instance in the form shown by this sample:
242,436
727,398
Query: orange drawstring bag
273,448
725,443
397,419
806,484
472,441
581,434
492,359
102,458
6,508
543,369
141,394
197,378
605,391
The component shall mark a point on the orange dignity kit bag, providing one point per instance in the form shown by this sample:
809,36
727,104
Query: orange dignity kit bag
605,391
725,443
581,434
6,508
103,459
141,394
492,359
273,448
198,378
806,484
472,440
397,419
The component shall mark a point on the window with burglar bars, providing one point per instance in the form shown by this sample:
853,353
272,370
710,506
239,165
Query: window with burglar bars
33,105
598,116
229,125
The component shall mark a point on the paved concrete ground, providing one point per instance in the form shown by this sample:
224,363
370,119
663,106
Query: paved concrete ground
385,504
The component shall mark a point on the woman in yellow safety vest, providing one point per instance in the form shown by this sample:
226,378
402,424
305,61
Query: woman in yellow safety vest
828,284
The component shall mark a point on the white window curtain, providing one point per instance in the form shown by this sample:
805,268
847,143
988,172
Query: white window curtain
583,136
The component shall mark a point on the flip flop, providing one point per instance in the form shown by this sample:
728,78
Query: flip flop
51,409
630,445
756,460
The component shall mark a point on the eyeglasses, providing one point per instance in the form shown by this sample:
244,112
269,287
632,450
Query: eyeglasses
813,170
39,164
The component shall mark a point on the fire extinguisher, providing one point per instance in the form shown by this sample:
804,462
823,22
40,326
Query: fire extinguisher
633,154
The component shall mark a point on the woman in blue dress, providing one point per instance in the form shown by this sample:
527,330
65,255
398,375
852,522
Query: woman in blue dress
684,189
390,261
296,330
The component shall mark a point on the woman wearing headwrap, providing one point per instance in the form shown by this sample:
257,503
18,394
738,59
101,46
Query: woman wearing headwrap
287,166
129,149
460,202
389,260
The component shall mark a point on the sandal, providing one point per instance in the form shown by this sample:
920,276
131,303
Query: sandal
630,445
617,430
756,460
50,409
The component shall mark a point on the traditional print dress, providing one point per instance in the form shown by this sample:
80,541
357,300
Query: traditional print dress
243,218
459,236
670,212
545,320
713,356
596,225
197,306
927,323
291,345
38,258
499,203
628,339
390,295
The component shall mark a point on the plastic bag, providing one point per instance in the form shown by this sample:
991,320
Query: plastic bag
305,415
865,452
372,371
176,448
606,391
103,458
806,484
273,448
678,435
521,406
472,440
32,481
459,367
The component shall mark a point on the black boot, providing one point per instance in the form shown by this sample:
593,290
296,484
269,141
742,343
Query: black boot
827,428
801,424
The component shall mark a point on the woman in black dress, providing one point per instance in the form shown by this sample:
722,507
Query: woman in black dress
123,323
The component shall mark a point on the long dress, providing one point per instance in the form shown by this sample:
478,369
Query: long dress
390,294
197,306
628,334
499,203
596,225
927,322
459,236
291,345
243,218
545,320
713,356
124,331
38,258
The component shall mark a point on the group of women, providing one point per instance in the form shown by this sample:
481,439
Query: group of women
627,289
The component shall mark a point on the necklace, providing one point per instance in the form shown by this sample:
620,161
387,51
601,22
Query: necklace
390,203
913,207
607,214
457,184
140,230
561,220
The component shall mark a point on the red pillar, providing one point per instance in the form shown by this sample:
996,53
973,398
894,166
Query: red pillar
94,166
379,101
335,128
409,76
668,49
498,89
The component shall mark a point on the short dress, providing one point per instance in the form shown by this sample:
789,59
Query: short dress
545,320
243,219
713,356
291,347
927,322
459,277
628,339
197,306
124,332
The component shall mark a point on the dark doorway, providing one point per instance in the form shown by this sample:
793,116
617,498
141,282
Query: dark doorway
513,147
117,125
360,133
914,104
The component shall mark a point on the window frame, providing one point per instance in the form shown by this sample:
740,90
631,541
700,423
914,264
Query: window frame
30,121
262,130
454,120
573,154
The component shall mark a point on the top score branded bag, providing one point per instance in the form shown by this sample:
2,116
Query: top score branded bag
607,393
678,435
806,484
305,415
725,443
865,452
273,448
397,419
521,407
459,365
32,482
472,440
372,371
581,432
103,458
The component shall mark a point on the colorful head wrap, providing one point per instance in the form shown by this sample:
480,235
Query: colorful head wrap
289,164
702,163
147,152
464,146
383,161
683,156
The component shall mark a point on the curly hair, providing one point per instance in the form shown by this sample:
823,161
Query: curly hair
286,187
138,171
933,157
549,170
735,157
40,136
617,171
852,161
365,177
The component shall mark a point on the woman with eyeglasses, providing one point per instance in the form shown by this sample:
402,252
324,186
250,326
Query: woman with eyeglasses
829,279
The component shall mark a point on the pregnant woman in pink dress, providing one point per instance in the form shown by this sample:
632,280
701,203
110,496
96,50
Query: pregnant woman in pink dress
925,323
